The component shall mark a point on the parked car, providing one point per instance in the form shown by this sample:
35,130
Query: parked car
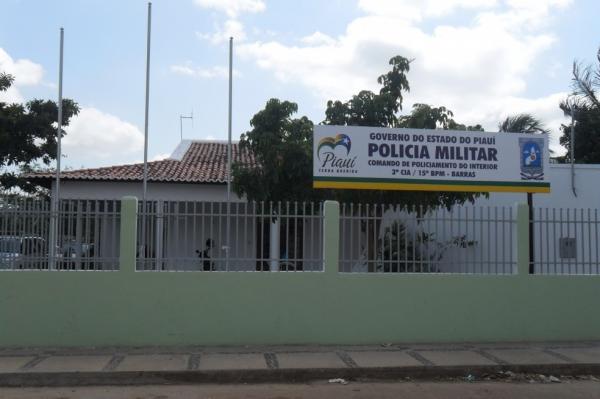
73,252
27,252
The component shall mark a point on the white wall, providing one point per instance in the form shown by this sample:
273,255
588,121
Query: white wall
587,186
166,191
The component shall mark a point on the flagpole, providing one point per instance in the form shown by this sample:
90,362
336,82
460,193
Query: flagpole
229,153
56,202
142,239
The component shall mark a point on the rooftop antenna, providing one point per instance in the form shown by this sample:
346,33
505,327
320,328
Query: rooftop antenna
181,118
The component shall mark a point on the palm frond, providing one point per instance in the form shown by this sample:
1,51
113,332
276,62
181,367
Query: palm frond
585,82
522,123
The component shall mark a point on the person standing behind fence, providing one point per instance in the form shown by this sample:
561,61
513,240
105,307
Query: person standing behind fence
207,264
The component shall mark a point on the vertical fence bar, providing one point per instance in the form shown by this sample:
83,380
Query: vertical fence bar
547,242
596,225
589,235
582,225
554,240
496,242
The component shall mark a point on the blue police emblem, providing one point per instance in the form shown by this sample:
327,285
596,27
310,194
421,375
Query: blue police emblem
532,164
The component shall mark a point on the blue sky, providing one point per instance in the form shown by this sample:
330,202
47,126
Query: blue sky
484,59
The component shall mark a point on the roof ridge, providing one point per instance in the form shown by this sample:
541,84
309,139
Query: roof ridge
215,141
202,162
125,165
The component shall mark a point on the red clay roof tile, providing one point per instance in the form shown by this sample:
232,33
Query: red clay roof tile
203,162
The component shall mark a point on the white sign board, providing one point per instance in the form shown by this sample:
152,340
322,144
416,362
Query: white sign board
356,157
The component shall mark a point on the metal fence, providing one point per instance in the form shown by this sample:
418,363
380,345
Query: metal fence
87,234
395,239
566,241
252,236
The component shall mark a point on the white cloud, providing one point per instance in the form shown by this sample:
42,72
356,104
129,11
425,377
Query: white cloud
233,8
96,137
160,157
419,9
318,38
203,73
25,72
232,27
478,69
221,34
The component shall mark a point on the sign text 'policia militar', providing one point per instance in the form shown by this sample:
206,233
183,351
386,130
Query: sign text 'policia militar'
356,157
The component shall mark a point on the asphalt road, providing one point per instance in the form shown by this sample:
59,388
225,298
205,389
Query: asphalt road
422,390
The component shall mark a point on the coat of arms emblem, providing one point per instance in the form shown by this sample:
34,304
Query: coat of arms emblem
532,163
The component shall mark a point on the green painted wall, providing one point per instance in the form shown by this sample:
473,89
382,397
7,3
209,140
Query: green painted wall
179,308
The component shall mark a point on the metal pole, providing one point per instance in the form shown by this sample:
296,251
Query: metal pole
56,202
60,109
531,232
229,152
142,238
147,100
572,156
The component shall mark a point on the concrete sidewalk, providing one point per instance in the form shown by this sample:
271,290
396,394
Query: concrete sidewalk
137,366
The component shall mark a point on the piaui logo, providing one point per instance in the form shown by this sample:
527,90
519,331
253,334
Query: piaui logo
333,161
334,142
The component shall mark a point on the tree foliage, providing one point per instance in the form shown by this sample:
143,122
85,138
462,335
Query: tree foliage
424,116
584,106
28,136
369,109
282,147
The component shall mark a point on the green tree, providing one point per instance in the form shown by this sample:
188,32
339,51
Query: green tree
28,136
282,149
424,116
370,109
584,106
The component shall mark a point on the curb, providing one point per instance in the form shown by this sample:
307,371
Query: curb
122,378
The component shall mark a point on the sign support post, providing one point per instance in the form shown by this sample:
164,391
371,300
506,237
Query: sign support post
531,247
